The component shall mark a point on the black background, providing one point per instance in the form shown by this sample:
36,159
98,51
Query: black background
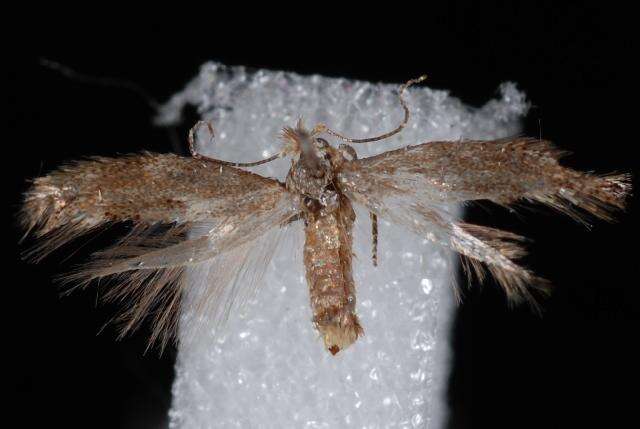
573,366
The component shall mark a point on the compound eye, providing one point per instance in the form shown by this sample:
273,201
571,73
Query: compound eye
323,145
322,142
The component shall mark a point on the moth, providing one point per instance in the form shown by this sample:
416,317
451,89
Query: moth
188,211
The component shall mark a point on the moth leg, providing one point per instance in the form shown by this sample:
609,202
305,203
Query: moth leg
374,238
348,152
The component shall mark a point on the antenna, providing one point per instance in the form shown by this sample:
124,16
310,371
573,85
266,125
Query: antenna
323,128
195,154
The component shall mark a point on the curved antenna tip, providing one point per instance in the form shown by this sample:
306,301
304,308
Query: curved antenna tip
195,154
324,128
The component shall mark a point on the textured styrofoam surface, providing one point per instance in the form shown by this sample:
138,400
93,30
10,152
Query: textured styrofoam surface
267,367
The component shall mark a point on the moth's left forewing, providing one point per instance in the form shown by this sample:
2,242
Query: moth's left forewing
184,212
414,186
146,189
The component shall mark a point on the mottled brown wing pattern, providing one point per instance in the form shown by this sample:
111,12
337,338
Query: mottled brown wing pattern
413,186
184,212
147,188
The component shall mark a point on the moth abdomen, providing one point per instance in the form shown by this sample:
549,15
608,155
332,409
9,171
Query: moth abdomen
328,263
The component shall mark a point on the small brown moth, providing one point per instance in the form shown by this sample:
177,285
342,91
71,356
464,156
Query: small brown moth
225,208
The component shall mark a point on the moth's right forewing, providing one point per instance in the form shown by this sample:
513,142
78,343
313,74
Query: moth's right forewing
502,171
414,186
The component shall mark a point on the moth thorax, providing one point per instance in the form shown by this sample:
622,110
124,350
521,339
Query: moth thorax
312,174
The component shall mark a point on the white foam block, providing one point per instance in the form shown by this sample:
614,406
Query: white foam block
267,367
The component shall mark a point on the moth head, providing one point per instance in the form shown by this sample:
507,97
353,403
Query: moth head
302,142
